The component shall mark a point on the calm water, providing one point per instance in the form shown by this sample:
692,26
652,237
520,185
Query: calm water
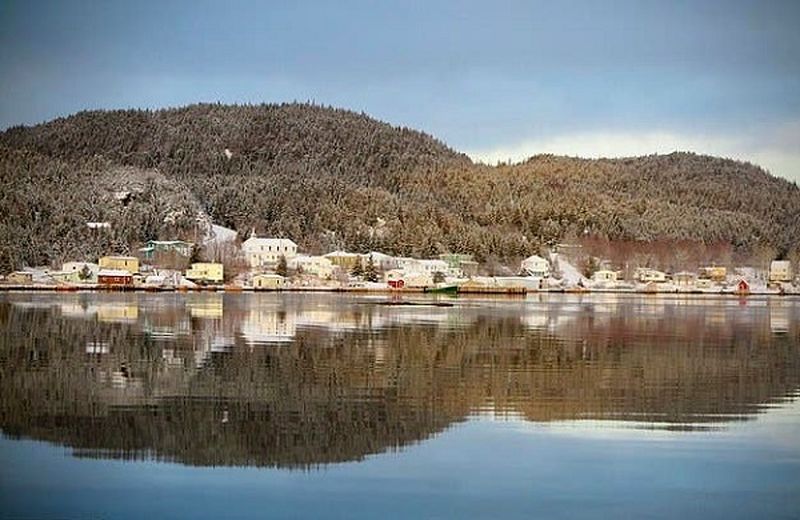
322,405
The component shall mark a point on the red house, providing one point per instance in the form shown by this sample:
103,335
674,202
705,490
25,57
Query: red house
114,277
743,287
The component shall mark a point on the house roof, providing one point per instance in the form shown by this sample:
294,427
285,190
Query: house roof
113,272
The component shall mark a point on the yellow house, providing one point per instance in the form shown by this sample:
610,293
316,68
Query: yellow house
123,263
268,281
205,272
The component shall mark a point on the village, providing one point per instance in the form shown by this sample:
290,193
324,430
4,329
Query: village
275,264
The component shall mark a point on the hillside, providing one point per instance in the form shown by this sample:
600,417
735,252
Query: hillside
331,178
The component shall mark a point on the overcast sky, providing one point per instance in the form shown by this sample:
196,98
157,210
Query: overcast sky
498,80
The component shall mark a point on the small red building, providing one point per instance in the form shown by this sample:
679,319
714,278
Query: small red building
114,277
743,287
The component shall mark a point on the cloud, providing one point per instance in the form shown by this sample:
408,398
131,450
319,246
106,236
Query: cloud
776,149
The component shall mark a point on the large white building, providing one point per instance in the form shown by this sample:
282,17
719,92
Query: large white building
780,271
265,252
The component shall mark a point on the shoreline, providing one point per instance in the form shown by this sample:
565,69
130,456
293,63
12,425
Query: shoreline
513,292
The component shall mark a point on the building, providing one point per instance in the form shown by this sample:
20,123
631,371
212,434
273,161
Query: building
115,277
120,263
535,266
684,279
86,271
318,266
205,272
434,266
266,252
714,273
604,275
156,247
20,278
268,281
459,265
742,287
780,271
343,259
647,275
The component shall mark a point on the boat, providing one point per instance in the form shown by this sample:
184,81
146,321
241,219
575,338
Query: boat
442,289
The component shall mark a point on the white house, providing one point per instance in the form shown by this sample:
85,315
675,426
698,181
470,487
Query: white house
647,275
434,266
604,275
780,271
265,252
535,266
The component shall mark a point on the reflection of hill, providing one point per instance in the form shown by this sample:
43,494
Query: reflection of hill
207,395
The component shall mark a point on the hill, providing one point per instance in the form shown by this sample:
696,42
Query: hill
332,178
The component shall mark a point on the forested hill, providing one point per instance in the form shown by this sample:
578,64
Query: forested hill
332,178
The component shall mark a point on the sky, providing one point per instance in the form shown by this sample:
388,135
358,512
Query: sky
496,80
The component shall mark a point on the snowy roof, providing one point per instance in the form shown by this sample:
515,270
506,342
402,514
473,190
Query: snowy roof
113,272
253,242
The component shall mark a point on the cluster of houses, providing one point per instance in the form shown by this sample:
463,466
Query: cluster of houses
274,263
709,278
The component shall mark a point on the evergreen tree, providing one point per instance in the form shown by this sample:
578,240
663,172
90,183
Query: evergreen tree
282,268
358,269
370,271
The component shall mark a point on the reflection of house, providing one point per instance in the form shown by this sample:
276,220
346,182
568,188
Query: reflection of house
314,265
118,312
266,252
123,263
86,271
155,247
535,266
114,277
267,326
208,272
604,275
647,275
715,273
780,271
268,281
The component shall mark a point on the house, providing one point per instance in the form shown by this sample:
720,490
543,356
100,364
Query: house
382,261
268,281
86,271
714,273
205,272
459,264
115,277
780,271
343,259
318,266
120,263
155,247
535,266
742,287
433,266
684,279
20,278
266,252
647,275
604,275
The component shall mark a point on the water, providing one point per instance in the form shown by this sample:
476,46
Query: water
324,405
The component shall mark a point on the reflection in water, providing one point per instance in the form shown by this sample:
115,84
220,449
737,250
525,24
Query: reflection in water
302,380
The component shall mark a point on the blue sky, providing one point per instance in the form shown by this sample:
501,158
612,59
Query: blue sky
499,80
